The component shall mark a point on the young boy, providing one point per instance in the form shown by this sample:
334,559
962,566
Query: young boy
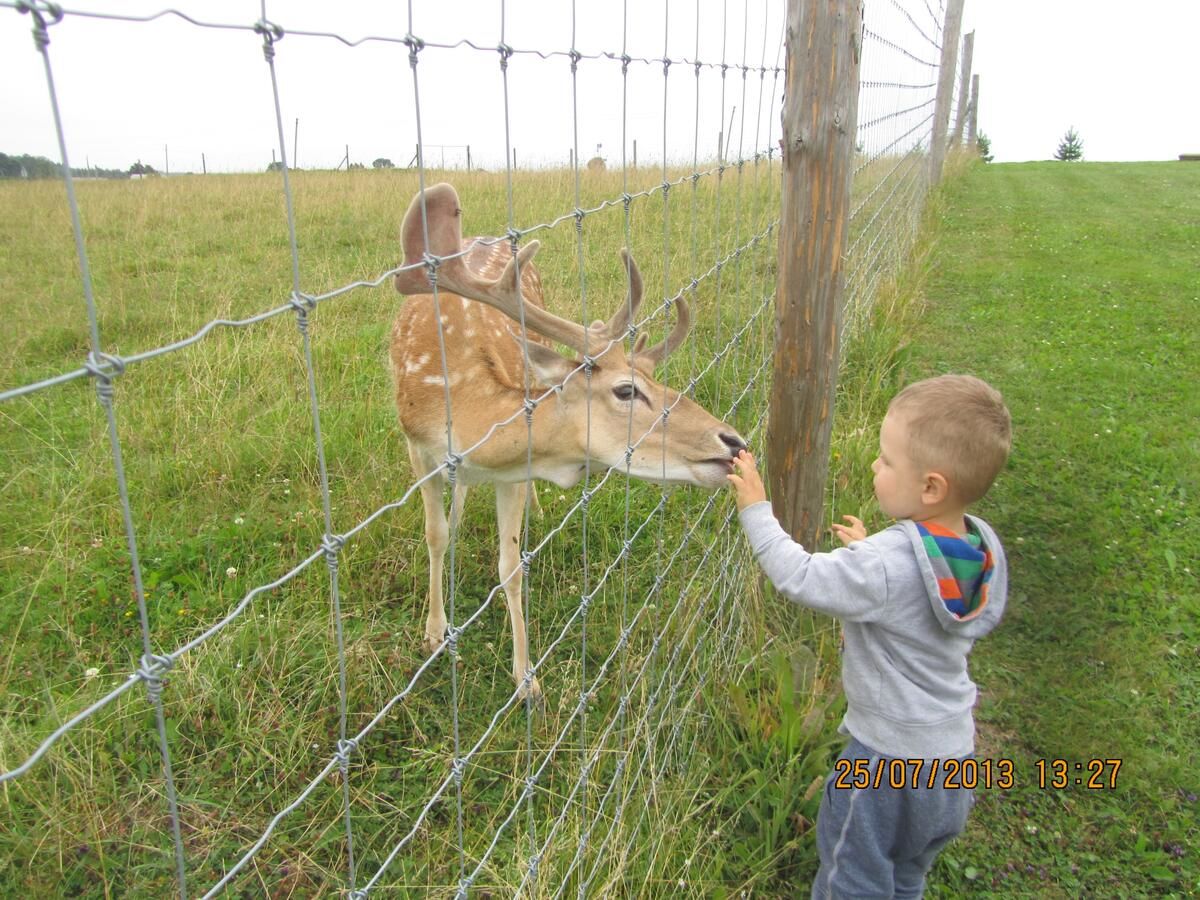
912,598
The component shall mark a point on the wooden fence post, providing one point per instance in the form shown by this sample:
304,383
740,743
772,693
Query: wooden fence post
964,88
945,90
973,124
820,116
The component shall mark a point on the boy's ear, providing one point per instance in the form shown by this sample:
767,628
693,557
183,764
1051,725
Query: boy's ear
935,489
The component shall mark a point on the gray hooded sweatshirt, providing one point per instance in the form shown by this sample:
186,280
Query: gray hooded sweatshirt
904,664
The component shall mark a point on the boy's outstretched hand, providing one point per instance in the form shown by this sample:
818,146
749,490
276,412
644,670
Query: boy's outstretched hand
745,481
848,534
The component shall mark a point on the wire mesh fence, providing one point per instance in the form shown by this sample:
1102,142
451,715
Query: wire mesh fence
192,702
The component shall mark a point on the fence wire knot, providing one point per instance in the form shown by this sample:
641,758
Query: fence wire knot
271,33
585,601
534,862
626,59
464,885
575,56
104,367
457,766
332,544
453,633
345,747
506,53
579,214
152,670
357,895
303,304
41,36
526,561
415,45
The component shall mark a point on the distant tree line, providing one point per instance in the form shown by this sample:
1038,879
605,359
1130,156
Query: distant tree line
26,166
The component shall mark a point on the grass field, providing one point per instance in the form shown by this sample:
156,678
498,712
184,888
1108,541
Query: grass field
1071,287
1075,288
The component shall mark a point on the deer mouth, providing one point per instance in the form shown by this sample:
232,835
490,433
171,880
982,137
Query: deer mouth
723,461
710,478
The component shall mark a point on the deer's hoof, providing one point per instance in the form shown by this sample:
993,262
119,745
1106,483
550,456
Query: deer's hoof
430,644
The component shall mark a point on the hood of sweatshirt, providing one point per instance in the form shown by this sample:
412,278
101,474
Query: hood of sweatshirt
958,573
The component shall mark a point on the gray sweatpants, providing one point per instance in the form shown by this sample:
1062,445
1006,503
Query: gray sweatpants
880,841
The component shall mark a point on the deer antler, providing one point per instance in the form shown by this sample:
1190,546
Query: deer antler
440,221
665,348
432,227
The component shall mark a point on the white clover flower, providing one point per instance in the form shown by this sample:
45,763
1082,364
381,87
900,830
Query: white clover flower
239,521
230,572
91,673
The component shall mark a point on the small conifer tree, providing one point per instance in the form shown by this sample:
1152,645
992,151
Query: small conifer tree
984,144
1070,148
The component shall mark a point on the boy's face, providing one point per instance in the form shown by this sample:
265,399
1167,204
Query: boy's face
899,485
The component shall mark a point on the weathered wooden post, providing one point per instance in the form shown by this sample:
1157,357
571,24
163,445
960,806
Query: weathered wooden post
820,115
964,88
973,124
945,90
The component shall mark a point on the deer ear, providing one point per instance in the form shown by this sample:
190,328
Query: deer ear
549,367
438,207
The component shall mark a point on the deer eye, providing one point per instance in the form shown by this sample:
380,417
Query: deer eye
626,391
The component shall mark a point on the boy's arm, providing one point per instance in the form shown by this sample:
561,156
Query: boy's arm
849,583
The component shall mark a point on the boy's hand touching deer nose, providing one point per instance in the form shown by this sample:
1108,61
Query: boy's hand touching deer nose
745,481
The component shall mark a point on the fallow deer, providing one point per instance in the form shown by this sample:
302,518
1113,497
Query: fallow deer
481,293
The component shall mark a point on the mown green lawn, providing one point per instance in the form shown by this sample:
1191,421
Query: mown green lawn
1075,289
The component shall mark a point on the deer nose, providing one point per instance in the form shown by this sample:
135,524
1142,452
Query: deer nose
734,442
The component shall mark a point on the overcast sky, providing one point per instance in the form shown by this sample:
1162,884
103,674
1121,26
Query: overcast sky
166,92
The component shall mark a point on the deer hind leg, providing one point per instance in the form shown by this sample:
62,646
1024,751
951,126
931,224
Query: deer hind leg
510,510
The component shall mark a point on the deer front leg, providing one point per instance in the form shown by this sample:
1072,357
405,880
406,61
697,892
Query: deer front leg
437,539
510,510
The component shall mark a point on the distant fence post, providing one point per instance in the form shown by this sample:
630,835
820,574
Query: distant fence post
820,116
945,90
964,89
973,124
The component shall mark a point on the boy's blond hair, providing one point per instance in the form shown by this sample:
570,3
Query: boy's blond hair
959,427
